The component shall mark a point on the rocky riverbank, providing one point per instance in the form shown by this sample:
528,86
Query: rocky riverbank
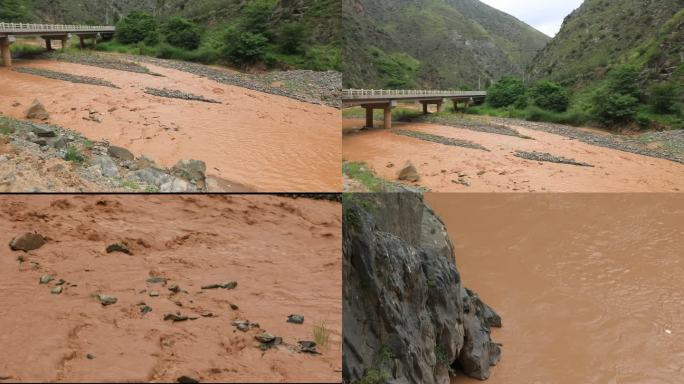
407,317
43,157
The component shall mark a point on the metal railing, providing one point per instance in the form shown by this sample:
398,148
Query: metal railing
361,93
23,27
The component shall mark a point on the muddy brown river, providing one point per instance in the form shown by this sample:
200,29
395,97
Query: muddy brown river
590,287
440,166
266,142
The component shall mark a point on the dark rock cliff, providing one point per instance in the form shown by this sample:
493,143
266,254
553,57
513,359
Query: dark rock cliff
406,316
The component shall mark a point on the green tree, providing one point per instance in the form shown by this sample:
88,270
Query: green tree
136,27
292,36
551,96
624,79
14,11
181,33
612,108
663,98
505,92
256,15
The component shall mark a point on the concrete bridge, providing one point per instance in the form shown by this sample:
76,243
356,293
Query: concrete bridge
371,99
10,31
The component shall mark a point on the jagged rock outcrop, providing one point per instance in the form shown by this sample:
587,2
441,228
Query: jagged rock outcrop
406,316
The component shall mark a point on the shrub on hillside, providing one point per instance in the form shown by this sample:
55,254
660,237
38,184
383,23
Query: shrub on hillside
256,15
181,33
291,37
624,80
551,96
663,98
505,92
14,11
244,47
614,108
136,27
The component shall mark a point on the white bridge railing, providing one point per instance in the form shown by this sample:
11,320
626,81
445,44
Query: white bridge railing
361,93
22,27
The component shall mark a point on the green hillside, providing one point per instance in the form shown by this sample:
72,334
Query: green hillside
432,43
292,33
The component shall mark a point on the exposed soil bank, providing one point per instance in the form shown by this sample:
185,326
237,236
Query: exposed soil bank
268,142
283,253
590,286
440,166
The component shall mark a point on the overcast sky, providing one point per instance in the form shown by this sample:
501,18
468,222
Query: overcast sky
545,15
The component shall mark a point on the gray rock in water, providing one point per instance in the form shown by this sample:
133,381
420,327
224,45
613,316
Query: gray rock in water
229,285
151,176
90,356
118,247
191,170
37,111
211,286
120,153
308,347
176,185
408,172
403,296
296,319
27,242
175,317
106,300
107,166
57,290
174,288
234,307
145,309
154,294
45,279
265,337
156,280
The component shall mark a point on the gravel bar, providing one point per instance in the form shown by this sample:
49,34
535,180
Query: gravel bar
174,94
440,139
549,158
65,77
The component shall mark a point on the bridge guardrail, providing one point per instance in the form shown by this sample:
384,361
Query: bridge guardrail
361,93
25,27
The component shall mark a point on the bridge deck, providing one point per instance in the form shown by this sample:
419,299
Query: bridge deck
19,29
353,97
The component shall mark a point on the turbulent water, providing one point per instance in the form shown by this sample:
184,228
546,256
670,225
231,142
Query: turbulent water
590,287
266,142
457,169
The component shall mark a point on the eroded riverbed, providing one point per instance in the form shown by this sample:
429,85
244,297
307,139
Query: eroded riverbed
264,141
445,168
589,287
192,241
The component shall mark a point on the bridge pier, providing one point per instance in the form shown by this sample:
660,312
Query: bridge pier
387,113
426,103
5,43
82,38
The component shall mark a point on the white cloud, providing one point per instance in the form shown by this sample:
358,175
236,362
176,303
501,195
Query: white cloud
545,15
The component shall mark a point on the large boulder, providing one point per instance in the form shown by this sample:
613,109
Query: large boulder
150,176
406,316
27,242
107,166
408,172
37,111
191,170
120,153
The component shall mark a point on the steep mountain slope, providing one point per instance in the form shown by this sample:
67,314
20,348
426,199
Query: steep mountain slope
432,43
604,33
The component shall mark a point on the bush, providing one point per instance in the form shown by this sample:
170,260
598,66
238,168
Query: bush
624,80
663,98
551,96
505,92
135,27
614,108
292,36
14,11
181,33
256,15
245,47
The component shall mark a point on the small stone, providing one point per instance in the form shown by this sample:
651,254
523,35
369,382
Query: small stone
56,290
145,309
308,347
118,247
234,307
21,259
296,319
46,279
174,288
156,280
408,172
106,300
90,356
27,242
187,380
207,314
61,282
175,317
265,337
211,286
154,293
229,285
